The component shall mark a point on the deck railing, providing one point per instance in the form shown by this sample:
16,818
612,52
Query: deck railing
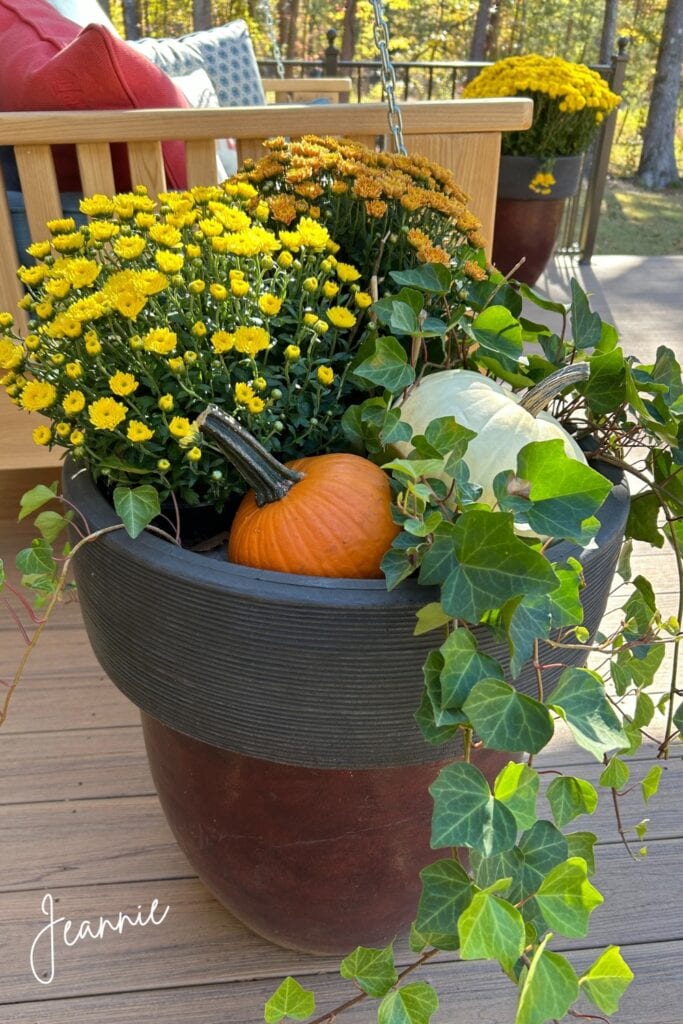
426,80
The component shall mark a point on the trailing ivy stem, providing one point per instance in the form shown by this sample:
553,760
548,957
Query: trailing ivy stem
467,743
362,996
617,814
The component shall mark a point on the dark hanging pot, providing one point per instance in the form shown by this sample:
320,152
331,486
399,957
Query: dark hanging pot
278,714
527,222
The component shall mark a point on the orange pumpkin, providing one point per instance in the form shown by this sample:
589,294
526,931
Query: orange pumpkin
325,515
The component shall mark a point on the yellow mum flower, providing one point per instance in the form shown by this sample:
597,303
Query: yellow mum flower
325,375
77,437
194,454
169,262
103,230
260,383
32,276
160,340
32,342
163,465
269,304
129,247
165,403
196,287
347,273
285,259
330,289
42,435
69,243
210,227
61,224
39,250
92,344
256,405
312,234
193,251
150,282
129,303
292,352
123,384
97,206
251,340
180,427
58,288
106,413
165,234
238,287
138,431
362,300
176,365
11,355
341,317
62,429
73,403
38,395
74,370
222,341
199,329
219,292
44,310
243,393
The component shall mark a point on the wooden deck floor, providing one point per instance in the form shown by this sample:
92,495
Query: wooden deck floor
79,819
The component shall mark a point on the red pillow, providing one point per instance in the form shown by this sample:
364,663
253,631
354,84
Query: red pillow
50,63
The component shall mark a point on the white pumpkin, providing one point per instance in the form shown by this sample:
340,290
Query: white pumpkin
503,426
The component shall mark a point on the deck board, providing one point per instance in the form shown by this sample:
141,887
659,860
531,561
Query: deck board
79,819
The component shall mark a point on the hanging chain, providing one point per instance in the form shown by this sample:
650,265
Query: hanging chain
388,75
264,7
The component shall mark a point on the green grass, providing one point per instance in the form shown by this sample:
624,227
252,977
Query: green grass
635,222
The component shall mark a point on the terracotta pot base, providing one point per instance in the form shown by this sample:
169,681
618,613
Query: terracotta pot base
318,860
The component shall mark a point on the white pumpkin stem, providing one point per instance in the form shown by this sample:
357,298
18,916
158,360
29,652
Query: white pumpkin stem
538,397
269,479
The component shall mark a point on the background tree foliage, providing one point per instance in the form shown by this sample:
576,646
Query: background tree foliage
445,30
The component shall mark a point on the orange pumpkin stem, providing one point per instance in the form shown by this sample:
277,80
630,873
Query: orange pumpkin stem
267,477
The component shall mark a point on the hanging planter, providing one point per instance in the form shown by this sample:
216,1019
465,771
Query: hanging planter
529,209
279,718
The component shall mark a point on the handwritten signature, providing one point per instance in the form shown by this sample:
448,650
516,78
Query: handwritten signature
43,946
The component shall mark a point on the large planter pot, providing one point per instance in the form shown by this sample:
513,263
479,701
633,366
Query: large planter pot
279,718
527,223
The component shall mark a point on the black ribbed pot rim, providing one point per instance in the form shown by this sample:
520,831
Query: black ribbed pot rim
310,671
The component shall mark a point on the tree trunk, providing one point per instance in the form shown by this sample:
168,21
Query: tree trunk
131,19
349,31
481,27
609,31
657,168
292,41
491,48
201,15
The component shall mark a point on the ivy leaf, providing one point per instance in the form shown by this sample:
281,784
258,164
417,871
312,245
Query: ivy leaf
34,499
136,507
580,844
569,797
502,866
542,848
433,733
386,366
566,898
397,566
463,667
492,929
410,1004
650,783
580,700
616,774
439,559
607,979
36,560
429,277
606,387
499,335
586,325
506,719
492,566
50,524
430,617
467,814
549,987
373,970
533,618
564,492
446,437
642,519
446,892
289,1001
517,787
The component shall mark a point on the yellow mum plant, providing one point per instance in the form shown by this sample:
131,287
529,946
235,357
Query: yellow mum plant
155,308
570,102
386,211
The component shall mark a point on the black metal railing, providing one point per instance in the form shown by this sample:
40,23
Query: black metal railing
438,80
